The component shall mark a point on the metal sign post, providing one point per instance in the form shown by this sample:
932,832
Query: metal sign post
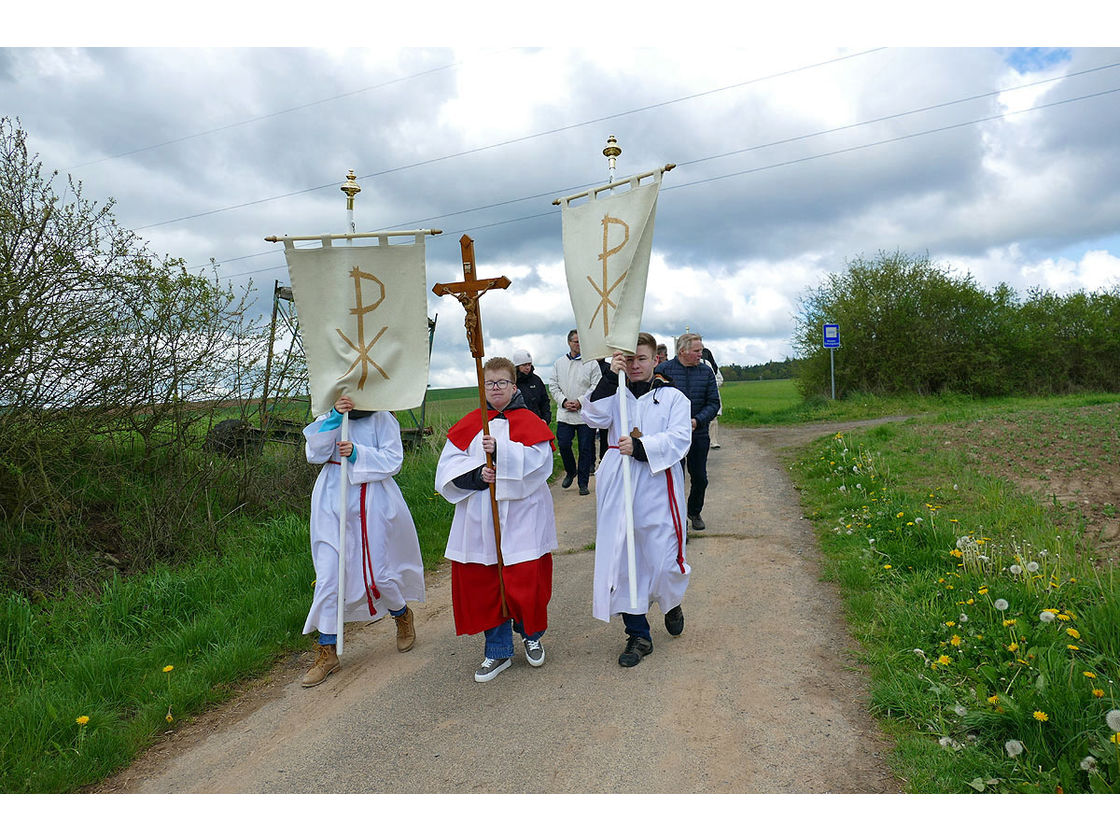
832,341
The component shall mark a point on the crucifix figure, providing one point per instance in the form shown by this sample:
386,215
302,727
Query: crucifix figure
467,293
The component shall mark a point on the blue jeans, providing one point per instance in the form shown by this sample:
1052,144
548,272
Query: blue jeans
585,437
332,638
499,640
636,625
696,462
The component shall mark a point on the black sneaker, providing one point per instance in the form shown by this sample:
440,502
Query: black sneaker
583,491
636,648
697,522
674,621
567,482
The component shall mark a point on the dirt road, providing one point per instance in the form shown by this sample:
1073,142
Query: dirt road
761,694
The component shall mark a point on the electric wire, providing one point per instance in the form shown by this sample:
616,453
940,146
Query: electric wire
758,147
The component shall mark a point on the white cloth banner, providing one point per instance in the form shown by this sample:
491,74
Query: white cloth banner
607,244
364,318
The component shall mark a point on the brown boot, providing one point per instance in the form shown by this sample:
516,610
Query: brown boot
326,663
406,631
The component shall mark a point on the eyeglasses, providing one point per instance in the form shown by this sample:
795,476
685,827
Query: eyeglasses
498,384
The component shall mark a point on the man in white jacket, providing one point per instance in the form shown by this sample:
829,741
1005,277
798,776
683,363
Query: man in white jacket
659,434
572,378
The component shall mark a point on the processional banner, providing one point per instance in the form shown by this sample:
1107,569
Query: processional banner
607,243
364,318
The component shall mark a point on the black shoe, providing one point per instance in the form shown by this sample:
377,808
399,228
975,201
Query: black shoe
567,482
674,621
636,648
583,491
697,522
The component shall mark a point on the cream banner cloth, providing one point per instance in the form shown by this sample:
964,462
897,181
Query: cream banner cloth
364,318
607,244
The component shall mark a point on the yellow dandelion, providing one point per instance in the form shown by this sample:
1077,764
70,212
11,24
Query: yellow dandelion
1098,692
169,719
955,641
971,601
1007,622
1072,631
1014,646
899,515
1089,674
1115,738
886,565
956,552
168,669
1041,717
950,624
1063,617
983,590
993,699
943,659
81,720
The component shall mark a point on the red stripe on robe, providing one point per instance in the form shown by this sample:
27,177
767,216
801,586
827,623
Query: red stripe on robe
478,607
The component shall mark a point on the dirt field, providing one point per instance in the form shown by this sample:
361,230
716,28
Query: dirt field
762,693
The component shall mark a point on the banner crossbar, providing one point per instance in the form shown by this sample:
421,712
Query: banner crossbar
632,180
332,236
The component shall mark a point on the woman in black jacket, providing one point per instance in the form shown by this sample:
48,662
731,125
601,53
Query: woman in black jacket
531,386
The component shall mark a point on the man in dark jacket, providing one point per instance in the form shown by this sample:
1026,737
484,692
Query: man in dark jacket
532,387
699,384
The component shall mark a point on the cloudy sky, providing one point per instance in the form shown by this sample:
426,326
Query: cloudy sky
792,157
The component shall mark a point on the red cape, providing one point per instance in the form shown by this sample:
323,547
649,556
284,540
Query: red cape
525,428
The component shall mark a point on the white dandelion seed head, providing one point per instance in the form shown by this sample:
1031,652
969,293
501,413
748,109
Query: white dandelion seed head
1046,616
1000,604
963,542
983,558
1016,569
945,741
963,618
920,652
917,519
1013,748
1044,553
841,488
955,487
960,710
1089,764
1032,567
1112,718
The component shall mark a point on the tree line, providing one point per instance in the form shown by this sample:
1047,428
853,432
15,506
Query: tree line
908,325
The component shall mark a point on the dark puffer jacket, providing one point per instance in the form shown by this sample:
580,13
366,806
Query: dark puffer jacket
535,393
698,384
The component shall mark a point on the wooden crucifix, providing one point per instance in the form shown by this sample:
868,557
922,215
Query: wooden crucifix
467,293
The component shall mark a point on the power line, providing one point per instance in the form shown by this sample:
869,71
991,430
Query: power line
780,164
564,190
265,116
501,143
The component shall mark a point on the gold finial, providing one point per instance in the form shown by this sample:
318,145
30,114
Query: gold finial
612,149
351,189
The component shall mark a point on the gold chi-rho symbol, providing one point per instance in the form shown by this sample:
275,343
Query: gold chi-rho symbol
604,292
361,310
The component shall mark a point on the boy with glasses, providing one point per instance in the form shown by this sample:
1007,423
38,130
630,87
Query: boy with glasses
520,444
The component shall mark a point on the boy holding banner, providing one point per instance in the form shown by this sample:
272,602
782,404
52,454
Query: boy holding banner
661,430
496,592
384,568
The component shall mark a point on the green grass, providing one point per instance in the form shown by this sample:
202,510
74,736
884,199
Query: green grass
926,546
219,620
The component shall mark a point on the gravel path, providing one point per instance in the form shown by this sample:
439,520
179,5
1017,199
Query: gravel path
761,694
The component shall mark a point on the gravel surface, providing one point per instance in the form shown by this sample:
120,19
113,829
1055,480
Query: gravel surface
763,692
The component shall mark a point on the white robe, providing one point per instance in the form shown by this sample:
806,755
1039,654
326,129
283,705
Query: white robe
398,568
525,513
665,419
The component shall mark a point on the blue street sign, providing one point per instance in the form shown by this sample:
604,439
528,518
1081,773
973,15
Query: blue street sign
831,335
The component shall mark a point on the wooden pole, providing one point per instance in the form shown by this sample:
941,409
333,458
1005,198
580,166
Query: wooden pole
467,293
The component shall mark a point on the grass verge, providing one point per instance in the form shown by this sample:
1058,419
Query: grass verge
992,636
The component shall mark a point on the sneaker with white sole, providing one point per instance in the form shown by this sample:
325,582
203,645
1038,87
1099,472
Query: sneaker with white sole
534,652
490,668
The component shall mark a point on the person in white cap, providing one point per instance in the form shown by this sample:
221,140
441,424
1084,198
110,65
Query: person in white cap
532,386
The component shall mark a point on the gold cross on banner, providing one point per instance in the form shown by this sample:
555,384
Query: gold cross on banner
361,347
604,293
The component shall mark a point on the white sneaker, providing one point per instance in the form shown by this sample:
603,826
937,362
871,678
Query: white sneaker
534,652
490,668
